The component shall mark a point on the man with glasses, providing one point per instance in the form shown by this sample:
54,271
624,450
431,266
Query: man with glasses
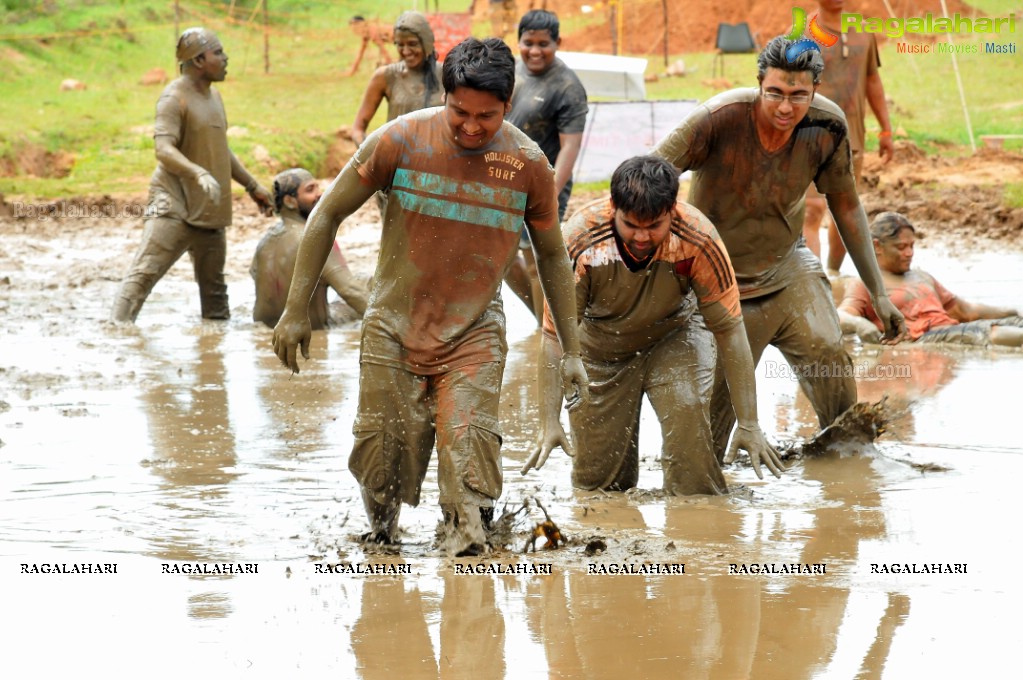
753,153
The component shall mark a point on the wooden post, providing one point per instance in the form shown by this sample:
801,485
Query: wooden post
664,7
266,38
614,26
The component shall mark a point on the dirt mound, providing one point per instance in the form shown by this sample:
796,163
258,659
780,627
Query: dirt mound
36,161
340,150
947,198
692,25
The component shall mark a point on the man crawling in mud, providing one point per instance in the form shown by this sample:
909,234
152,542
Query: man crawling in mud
753,153
933,314
461,182
636,258
296,192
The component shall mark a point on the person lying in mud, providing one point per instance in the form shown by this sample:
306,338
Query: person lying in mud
190,192
296,192
933,313
462,180
636,257
753,153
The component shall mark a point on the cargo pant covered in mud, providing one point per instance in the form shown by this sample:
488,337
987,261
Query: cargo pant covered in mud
641,335
433,337
754,197
180,216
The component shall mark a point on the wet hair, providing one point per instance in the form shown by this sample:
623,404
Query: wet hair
773,56
287,183
417,24
486,65
887,225
644,186
540,20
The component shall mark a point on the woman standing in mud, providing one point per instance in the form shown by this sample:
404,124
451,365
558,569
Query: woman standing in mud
408,85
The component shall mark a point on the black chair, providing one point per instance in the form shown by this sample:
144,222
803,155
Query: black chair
732,39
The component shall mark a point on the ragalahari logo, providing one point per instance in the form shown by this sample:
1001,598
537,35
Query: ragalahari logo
817,36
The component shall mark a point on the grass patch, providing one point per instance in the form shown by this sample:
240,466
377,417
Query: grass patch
292,113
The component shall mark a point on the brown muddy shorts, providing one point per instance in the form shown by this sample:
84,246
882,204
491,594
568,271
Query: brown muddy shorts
402,415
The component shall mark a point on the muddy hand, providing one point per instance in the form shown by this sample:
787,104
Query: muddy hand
263,199
894,322
550,437
289,337
574,381
751,439
209,186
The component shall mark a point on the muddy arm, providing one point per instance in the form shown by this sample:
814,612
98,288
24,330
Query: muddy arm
255,190
565,162
851,221
552,434
738,365
558,288
371,101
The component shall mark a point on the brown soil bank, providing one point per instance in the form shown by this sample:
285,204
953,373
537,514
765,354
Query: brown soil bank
961,199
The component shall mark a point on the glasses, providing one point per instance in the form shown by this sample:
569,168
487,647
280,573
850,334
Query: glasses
795,99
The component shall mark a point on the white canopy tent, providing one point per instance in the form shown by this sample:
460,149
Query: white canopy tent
619,130
604,75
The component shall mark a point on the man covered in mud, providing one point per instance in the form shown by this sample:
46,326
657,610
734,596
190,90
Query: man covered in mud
190,191
852,79
933,314
296,192
549,105
461,182
753,153
636,257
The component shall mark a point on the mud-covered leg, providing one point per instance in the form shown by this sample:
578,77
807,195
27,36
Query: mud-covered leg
468,452
811,341
163,242
393,443
606,428
679,382
209,253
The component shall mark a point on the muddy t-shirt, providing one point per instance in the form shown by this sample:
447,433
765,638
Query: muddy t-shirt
844,81
197,125
921,299
547,105
406,91
754,197
450,232
624,307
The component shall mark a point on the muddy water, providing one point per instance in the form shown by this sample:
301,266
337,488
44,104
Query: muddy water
181,442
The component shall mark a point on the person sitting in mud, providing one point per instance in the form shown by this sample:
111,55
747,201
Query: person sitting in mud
462,180
753,153
190,191
636,258
296,192
933,314
375,32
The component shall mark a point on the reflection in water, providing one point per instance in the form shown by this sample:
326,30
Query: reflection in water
390,639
